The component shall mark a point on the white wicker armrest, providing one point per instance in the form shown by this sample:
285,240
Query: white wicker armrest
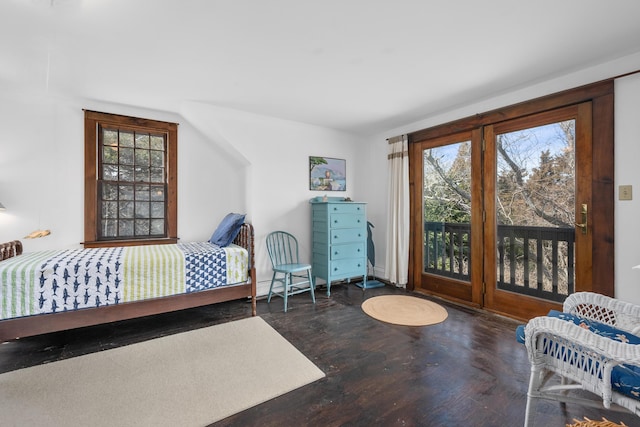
578,354
621,314
611,349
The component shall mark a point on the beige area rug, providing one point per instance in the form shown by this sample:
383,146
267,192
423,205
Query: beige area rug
404,310
189,379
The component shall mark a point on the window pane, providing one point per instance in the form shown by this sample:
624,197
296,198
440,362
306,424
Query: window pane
142,227
110,137
126,210
535,199
157,193
142,157
126,192
447,210
110,210
109,228
157,159
109,154
157,175
157,210
126,139
110,172
126,173
142,140
544,179
126,228
157,227
142,174
109,191
142,192
157,142
142,209
126,156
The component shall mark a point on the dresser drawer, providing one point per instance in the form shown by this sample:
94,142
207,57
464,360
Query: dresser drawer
346,208
345,268
347,220
350,250
347,235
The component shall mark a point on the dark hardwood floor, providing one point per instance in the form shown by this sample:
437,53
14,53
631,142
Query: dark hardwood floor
466,371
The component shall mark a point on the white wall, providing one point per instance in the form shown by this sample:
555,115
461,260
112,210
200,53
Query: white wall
42,169
275,154
235,161
227,160
627,124
627,212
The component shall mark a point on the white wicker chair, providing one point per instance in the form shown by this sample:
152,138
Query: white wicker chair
582,360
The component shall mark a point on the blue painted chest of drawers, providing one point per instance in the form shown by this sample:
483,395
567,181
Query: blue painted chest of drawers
339,235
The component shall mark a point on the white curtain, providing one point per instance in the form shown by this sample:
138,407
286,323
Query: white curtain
397,262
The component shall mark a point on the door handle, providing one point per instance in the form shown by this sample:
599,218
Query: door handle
583,225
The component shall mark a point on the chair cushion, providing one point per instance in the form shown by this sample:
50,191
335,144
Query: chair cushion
227,230
597,327
520,333
591,325
624,378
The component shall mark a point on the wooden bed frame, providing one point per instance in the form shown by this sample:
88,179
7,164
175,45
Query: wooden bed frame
10,249
40,324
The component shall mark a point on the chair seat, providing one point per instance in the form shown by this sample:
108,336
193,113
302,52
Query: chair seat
291,268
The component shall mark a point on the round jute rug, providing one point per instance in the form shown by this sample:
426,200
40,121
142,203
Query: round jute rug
404,310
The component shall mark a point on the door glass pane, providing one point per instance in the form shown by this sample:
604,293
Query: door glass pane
535,210
447,210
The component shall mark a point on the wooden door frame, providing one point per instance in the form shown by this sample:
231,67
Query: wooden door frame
601,96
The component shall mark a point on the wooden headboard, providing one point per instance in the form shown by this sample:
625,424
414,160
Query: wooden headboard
10,249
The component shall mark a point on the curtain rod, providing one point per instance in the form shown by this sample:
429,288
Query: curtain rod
395,139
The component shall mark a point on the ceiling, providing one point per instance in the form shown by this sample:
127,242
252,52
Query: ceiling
361,66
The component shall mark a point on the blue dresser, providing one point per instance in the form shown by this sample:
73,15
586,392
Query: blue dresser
339,235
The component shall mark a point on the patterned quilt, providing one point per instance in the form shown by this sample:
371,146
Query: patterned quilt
52,281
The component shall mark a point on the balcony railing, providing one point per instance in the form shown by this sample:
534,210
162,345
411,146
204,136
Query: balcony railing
534,261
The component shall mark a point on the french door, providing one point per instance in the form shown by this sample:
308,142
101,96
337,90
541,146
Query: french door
503,214
537,175
450,220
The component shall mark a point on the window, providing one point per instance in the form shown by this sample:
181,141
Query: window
130,180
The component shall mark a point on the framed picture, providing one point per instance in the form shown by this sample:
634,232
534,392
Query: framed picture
327,174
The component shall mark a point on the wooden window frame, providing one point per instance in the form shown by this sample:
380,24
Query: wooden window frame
92,121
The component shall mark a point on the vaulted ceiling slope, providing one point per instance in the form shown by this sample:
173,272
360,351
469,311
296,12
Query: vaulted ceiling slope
356,65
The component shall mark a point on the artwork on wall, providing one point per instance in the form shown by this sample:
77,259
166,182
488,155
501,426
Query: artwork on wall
327,174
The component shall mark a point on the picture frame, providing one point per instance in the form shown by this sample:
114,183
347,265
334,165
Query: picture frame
327,174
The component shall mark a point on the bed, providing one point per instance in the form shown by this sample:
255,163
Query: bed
49,291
